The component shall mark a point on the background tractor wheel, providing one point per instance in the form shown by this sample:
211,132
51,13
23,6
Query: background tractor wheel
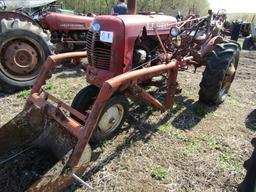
248,44
219,73
112,117
23,49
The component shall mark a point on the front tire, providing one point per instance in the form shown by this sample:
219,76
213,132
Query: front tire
219,73
111,118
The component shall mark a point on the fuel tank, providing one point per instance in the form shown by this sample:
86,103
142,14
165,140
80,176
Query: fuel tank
65,22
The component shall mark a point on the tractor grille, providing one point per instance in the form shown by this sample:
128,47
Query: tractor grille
98,52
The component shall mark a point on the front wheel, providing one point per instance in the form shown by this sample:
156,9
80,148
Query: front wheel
219,73
112,116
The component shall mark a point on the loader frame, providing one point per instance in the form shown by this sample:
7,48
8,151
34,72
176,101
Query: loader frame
126,83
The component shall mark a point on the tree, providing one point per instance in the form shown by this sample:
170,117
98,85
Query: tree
169,7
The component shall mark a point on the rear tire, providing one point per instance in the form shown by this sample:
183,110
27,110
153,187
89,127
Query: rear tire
219,73
22,55
112,116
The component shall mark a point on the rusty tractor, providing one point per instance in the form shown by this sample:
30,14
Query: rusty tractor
124,53
27,39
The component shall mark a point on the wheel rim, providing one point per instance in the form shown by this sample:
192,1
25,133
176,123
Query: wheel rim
228,78
20,60
111,118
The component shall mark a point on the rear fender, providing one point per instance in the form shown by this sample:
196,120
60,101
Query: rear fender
14,15
209,45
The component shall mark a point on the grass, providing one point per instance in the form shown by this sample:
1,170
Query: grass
227,159
165,128
181,136
48,86
229,162
190,148
157,172
173,133
215,144
24,93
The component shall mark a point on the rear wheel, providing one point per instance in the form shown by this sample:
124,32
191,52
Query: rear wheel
219,73
24,48
112,116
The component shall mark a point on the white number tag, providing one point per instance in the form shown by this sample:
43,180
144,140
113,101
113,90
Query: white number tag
106,36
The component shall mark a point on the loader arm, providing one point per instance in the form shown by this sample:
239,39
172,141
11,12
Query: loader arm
109,87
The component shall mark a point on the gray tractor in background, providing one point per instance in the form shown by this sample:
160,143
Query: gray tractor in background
29,34
250,41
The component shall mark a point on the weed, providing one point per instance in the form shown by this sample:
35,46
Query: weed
186,151
156,172
181,136
24,93
214,144
165,128
191,148
228,161
48,86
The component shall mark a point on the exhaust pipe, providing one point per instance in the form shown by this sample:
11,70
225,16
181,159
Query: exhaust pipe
132,7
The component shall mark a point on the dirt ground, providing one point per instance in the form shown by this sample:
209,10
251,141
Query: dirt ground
190,148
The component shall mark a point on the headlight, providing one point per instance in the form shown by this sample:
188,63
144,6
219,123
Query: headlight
175,31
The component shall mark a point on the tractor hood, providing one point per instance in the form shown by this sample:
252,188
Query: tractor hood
123,30
14,4
65,22
135,23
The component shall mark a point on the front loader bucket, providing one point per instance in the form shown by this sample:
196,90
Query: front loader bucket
34,150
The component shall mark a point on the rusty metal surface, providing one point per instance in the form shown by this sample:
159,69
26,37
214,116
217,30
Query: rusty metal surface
21,130
56,113
20,57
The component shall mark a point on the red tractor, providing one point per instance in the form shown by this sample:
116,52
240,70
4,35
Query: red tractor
28,39
125,53
68,32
